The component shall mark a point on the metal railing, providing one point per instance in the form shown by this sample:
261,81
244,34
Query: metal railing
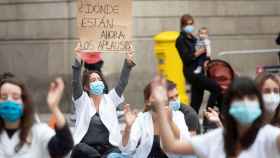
254,51
275,69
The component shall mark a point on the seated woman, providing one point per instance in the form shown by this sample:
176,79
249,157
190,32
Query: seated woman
269,86
20,137
141,138
223,73
244,134
97,129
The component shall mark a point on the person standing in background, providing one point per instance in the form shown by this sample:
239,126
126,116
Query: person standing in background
185,45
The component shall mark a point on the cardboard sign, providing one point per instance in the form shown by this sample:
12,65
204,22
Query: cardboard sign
105,25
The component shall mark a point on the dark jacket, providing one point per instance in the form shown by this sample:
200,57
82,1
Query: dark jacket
186,50
191,118
278,39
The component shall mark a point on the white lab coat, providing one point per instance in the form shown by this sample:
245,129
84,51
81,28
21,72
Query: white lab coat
142,131
85,109
37,147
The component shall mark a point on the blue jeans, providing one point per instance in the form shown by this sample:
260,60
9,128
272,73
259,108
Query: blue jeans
117,155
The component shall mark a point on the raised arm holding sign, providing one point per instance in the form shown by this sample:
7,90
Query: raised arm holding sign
105,25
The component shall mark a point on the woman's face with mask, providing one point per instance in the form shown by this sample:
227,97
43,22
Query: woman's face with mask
96,85
11,103
10,92
245,110
189,27
270,92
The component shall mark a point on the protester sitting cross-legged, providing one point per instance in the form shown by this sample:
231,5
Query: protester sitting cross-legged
223,73
141,138
244,134
20,136
97,129
191,117
269,86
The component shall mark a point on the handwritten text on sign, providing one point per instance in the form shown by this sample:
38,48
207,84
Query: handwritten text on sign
105,25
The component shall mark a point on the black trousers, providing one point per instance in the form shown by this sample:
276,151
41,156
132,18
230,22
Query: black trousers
83,150
199,83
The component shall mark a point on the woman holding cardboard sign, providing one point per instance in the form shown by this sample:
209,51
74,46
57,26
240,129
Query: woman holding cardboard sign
97,130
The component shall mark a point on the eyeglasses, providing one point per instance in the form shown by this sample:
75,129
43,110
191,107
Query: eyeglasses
269,90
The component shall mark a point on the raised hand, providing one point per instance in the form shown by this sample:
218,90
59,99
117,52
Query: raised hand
213,116
53,99
78,53
129,115
129,58
55,93
159,92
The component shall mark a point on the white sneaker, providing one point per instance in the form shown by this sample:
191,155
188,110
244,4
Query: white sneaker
198,70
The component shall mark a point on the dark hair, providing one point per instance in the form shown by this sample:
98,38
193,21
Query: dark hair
217,65
170,85
28,115
85,79
94,67
260,80
275,120
147,94
262,77
240,87
6,75
184,20
222,63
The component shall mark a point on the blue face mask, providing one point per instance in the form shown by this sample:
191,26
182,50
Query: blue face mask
245,112
189,29
97,88
174,105
11,111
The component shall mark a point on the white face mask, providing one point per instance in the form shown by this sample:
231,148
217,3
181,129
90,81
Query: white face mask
271,101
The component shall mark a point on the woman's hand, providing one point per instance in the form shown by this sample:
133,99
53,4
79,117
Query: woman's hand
199,52
53,99
129,118
213,116
129,115
129,58
159,92
55,93
78,53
